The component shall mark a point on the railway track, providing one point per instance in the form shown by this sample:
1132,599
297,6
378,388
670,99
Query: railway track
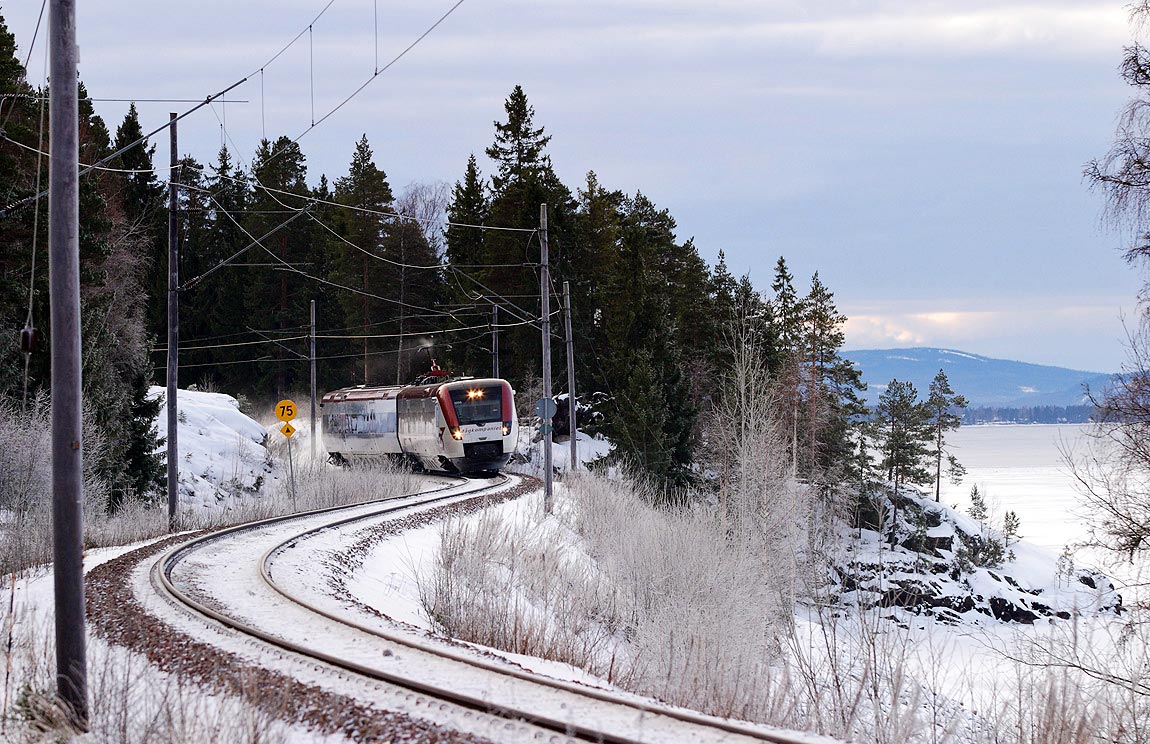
252,580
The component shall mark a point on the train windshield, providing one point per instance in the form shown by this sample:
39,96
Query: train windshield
478,405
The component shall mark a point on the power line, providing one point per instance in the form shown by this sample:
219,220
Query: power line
380,71
287,46
33,96
384,259
231,345
367,210
27,60
357,355
125,148
41,153
255,241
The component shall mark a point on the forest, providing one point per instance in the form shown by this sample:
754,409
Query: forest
398,278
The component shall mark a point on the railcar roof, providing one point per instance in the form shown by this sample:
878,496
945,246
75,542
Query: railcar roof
389,392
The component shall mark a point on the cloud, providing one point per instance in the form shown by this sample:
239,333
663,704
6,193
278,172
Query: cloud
1044,330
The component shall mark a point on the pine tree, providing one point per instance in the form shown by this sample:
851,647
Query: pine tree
946,415
900,427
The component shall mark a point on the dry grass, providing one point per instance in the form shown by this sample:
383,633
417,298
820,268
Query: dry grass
131,703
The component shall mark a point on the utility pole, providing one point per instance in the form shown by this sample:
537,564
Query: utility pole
67,425
494,340
571,402
314,433
547,405
173,370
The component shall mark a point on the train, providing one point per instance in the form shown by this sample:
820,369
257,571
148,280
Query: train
460,425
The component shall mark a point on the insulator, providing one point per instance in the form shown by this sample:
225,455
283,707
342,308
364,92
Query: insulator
29,340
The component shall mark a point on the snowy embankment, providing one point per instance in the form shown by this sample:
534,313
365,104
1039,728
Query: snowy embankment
223,452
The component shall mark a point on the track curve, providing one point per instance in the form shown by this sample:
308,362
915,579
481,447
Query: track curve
254,603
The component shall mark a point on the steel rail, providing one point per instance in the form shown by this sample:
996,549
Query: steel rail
162,570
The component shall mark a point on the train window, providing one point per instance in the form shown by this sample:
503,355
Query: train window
478,405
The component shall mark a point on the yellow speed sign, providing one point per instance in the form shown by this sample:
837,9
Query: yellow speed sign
285,410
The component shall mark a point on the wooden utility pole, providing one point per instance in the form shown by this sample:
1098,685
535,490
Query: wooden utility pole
547,404
67,424
314,432
572,406
173,370
494,340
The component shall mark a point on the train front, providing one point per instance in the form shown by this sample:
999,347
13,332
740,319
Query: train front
481,426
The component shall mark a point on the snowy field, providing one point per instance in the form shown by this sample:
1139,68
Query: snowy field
1020,468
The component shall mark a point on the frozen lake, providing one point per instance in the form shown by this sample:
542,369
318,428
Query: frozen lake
1020,468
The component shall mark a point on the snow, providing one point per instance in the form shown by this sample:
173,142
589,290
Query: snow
223,452
528,458
113,672
951,352
1020,468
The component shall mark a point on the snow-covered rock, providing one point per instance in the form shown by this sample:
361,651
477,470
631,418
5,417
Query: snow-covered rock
932,560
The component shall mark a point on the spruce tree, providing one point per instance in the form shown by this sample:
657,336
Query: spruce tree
363,264
221,297
18,182
278,301
469,205
833,383
524,179
518,147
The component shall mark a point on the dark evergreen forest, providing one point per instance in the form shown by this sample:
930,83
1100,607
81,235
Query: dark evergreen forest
397,278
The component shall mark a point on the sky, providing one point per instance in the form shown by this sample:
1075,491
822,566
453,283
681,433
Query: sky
925,157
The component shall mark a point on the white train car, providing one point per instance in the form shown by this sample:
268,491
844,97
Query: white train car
464,425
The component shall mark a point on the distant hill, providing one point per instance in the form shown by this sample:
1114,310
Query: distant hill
986,382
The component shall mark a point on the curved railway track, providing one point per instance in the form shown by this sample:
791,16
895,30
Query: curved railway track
242,578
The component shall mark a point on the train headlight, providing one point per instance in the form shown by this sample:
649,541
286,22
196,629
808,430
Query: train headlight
506,428
457,434
473,394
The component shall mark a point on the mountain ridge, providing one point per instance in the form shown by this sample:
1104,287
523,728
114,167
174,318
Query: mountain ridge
984,381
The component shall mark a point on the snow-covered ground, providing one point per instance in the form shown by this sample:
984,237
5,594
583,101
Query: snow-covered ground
225,454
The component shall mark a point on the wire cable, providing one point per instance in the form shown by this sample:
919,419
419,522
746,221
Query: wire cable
287,46
109,158
28,60
35,234
378,212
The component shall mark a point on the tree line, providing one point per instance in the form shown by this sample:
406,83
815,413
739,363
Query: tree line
398,279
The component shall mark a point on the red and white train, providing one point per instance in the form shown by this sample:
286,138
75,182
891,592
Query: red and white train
463,425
